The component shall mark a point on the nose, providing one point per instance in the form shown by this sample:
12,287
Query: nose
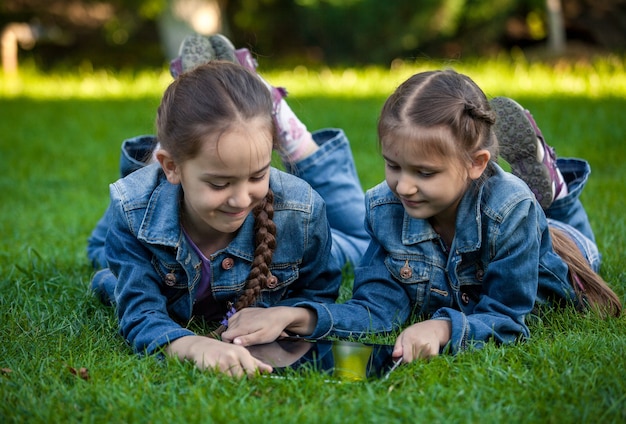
406,186
240,197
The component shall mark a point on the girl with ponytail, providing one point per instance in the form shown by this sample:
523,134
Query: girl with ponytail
462,252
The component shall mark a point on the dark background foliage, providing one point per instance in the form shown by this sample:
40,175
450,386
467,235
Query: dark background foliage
127,33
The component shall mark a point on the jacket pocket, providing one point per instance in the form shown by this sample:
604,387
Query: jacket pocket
470,286
172,280
414,274
278,285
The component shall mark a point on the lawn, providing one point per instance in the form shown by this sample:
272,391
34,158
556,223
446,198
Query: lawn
62,360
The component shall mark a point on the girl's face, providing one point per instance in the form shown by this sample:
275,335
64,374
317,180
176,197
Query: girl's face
225,181
429,186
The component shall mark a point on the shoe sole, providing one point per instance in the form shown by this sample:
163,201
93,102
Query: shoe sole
195,50
518,144
223,48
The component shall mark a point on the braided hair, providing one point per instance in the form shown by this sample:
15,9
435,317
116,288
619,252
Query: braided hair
265,244
210,99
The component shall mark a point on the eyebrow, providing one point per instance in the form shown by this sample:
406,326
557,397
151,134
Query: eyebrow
260,170
428,166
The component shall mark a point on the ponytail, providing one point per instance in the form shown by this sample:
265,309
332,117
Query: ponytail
591,290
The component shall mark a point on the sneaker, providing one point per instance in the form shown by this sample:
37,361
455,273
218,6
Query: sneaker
223,48
198,49
522,145
245,59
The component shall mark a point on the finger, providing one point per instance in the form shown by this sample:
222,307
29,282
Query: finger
249,339
263,367
252,366
397,349
236,371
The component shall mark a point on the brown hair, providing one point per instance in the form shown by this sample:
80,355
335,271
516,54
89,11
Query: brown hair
430,106
201,105
591,290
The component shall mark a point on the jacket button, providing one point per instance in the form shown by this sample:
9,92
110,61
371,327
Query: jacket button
406,271
272,282
170,279
228,263
465,298
480,274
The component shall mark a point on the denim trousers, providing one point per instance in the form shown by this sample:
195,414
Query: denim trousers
331,172
568,213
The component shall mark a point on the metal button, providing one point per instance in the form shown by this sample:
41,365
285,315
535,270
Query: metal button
272,282
170,279
480,274
228,263
406,271
465,298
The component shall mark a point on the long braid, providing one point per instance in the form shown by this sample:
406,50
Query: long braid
265,244
590,288
265,241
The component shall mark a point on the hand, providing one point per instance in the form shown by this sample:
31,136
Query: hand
213,354
422,340
252,326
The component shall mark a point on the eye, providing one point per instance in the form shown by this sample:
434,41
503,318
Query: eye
217,186
392,166
427,174
256,178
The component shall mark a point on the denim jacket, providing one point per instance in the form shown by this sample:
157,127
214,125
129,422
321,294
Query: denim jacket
500,264
158,271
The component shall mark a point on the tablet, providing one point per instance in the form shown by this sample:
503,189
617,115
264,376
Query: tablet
341,359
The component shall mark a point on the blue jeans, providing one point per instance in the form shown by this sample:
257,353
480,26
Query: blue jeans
330,171
568,213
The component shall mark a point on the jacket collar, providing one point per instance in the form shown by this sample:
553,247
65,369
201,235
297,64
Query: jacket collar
161,222
467,236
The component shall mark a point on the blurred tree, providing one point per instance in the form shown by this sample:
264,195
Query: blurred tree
178,18
556,25
103,33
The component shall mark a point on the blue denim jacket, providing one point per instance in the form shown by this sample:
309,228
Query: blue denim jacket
500,263
158,271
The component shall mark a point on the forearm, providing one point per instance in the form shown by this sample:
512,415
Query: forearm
303,321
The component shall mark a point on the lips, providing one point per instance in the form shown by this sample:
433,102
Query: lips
412,203
236,214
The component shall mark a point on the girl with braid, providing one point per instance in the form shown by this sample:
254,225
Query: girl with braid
461,252
206,227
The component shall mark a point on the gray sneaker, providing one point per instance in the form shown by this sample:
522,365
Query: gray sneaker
198,49
522,145
223,48
195,50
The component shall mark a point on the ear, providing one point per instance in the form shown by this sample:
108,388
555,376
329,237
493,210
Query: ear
171,169
480,159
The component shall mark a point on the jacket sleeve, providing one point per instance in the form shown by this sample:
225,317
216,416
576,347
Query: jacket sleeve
141,307
379,304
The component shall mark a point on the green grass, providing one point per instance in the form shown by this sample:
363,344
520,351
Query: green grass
60,140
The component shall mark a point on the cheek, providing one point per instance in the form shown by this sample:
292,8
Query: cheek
391,179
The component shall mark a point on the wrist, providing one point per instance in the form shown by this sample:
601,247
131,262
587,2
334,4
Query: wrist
303,321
